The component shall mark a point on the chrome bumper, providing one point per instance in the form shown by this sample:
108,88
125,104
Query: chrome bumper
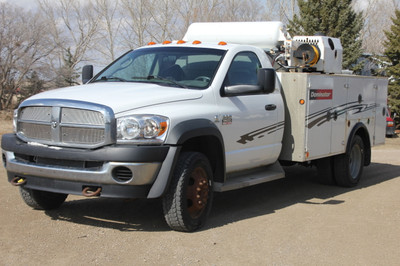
142,173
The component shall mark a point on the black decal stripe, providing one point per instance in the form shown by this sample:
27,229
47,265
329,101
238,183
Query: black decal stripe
269,129
320,117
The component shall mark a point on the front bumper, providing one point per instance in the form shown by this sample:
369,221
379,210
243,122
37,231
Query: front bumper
120,170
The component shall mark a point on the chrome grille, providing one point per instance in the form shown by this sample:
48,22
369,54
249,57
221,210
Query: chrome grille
35,131
82,135
83,117
61,125
39,114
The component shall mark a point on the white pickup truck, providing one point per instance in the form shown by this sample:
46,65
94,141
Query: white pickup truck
221,109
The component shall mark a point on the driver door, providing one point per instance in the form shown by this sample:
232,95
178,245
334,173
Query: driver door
249,121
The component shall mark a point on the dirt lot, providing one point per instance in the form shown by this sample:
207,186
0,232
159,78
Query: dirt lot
293,221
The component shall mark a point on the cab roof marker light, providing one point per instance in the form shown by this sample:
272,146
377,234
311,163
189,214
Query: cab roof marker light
196,42
180,42
166,42
222,43
151,43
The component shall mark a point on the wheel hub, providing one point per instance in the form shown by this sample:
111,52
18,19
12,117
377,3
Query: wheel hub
197,192
355,161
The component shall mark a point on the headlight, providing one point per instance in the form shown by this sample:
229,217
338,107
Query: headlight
142,128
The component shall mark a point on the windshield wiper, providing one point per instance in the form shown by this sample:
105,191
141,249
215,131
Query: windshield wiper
105,78
152,77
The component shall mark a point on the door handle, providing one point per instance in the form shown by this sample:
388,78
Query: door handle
270,107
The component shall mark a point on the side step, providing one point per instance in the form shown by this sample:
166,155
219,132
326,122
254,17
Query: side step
250,177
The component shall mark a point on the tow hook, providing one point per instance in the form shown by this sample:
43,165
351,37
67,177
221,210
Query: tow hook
91,191
18,181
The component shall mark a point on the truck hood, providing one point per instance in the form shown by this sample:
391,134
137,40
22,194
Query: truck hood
122,96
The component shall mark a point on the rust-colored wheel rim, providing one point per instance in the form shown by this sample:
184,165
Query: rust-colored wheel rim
197,192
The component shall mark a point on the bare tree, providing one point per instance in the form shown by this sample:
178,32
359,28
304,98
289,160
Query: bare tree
137,19
165,24
377,14
74,26
109,28
197,11
282,10
23,44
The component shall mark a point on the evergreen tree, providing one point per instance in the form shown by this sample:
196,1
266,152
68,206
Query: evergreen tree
392,54
334,18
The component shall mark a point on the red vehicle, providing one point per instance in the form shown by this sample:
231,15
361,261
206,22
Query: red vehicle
390,126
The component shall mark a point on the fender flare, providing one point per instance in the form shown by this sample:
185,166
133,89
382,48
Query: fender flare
191,129
181,133
364,134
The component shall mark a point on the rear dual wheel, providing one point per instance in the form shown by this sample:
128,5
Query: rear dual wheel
345,169
348,167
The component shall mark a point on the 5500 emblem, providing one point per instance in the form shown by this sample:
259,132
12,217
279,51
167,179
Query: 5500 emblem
227,120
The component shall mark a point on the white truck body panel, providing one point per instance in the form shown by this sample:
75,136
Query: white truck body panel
333,104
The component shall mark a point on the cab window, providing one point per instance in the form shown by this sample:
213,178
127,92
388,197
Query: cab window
243,70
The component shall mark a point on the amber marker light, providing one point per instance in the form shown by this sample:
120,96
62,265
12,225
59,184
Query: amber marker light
151,43
222,43
166,42
180,42
302,101
196,42
163,128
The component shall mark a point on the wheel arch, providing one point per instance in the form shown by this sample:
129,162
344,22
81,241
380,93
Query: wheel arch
361,130
201,135
198,135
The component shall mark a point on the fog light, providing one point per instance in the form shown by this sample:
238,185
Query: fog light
122,174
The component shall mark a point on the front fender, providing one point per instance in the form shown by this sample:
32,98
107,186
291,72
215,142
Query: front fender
191,129
180,135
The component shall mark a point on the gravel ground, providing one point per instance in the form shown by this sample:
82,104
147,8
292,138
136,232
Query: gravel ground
292,221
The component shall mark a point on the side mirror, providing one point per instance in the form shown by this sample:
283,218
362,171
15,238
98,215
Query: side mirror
266,79
241,90
87,73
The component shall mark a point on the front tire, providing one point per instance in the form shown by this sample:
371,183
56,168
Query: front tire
42,200
348,167
188,200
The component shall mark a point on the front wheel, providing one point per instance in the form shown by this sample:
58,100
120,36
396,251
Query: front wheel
348,167
42,200
188,200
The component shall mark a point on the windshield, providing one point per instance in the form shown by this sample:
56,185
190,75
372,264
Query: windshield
173,66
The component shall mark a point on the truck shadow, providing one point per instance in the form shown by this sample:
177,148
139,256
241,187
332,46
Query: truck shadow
299,186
